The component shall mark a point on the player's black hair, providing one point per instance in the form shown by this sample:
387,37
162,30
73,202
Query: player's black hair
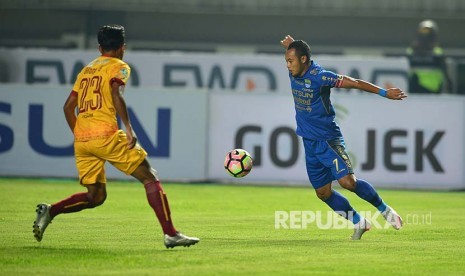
301,49
111,37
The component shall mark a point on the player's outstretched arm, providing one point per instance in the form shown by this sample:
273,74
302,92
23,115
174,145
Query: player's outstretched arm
286,41
391,93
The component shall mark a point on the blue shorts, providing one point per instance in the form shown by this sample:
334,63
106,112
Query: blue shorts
326,161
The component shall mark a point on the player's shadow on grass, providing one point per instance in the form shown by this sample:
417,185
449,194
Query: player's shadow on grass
278,242
85,251
68,251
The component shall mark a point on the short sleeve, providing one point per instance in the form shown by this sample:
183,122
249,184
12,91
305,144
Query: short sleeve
330,79
121,73
77,84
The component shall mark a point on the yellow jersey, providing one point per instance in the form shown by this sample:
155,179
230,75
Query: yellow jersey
96,117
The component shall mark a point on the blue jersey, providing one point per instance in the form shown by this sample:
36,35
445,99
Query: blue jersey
315,114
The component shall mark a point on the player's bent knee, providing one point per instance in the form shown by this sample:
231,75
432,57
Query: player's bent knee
348,185
323,193
145,173
323,196
96,198
348,182
99,200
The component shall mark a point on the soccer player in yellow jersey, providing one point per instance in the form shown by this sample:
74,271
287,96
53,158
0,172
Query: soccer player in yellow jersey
97,96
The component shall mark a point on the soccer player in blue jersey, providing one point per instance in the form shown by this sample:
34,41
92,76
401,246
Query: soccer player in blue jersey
325,154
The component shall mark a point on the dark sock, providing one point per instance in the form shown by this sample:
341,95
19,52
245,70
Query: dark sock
341,205
159,203
74,203
366,191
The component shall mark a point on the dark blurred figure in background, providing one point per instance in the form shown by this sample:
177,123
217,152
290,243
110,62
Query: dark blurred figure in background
428,71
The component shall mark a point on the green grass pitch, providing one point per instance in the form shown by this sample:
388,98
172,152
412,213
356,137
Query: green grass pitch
236,225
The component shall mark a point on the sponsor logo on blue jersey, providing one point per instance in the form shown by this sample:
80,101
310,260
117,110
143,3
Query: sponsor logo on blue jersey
308,83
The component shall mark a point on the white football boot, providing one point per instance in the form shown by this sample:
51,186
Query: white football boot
180,240
360,228
42,220
392,218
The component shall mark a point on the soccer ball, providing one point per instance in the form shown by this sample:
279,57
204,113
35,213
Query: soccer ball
238,163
